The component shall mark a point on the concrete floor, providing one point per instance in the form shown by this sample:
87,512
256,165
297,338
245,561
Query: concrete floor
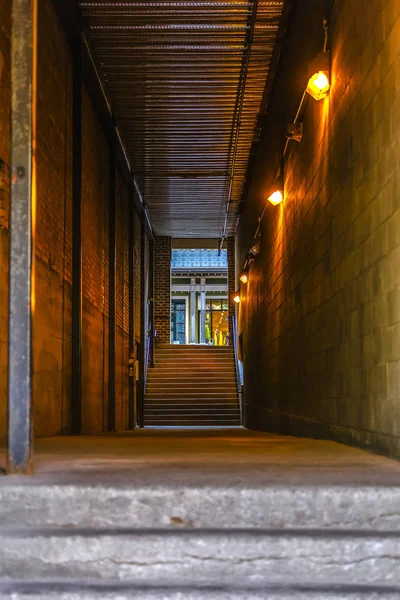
206,457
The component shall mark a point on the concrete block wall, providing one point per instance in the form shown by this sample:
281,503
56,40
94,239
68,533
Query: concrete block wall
162,288
320,318
52,351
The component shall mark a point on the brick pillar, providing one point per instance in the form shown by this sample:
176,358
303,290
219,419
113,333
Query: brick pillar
231,283
162,288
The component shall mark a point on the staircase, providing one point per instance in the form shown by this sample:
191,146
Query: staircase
192,386
99,540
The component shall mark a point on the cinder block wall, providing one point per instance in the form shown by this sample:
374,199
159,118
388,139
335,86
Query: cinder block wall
162,288
321,315
52,352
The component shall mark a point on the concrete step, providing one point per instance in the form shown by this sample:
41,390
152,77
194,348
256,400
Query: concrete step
173,379
189,393
196,388
42,503
187,420
187,556
128,590
182,402
199,407
199,424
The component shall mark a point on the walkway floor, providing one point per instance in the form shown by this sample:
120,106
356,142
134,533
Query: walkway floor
207,457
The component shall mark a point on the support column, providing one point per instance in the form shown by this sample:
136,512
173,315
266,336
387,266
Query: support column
76,397
131,409
231,285
112,259
22,224
203,311
192,310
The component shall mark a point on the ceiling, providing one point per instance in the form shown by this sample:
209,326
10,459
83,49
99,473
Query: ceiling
186,80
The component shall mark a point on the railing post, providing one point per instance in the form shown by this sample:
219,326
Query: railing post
22,225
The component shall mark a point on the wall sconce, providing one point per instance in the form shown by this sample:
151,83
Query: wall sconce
236,297
244,276
254,251
276,197
294,131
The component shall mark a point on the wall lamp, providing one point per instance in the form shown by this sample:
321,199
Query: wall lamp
318,86
319,76
276,197
244,275
236,297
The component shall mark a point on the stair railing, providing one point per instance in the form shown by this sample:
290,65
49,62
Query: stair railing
237,366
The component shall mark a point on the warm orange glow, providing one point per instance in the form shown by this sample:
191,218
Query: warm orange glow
318,85
244,278
276,197
236,298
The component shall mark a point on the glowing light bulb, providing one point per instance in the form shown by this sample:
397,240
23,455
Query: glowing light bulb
236,298
318,85
276,197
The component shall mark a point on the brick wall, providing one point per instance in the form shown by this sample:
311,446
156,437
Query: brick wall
162,288
122,304
137,276
52,357
321,320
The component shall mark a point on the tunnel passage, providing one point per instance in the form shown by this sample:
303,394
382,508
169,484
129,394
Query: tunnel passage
265,131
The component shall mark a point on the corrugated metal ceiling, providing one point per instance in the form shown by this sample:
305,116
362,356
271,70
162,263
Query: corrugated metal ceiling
186,81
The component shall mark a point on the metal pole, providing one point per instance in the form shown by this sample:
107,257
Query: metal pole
76,399
192,310
151,298
22,227
143,332
131,417
111,291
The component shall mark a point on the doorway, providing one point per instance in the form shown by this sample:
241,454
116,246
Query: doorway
178,321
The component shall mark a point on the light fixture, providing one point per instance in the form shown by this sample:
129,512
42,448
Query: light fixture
294,131
236,297
276,197
319,80
244,276
254,251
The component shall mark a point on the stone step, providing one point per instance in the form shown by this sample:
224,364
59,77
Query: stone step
183,402
195,385
176,409
205,506
179,392
187,556
128,590
186,420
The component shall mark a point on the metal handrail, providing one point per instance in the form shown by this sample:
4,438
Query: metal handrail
238,373
148,354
